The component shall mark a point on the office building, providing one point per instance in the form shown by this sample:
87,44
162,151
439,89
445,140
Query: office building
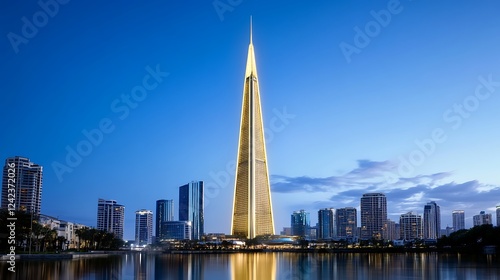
326,228
482,219
25,178
191,207
373,216
347,222
498,215
164,213
410,226
458,219
392,230
143,227
432,221
176,230
300,223
110,217
286,231
252,209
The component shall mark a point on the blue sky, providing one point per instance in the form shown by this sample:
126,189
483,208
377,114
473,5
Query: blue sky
399,97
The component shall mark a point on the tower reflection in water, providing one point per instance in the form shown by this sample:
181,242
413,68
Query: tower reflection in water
253,266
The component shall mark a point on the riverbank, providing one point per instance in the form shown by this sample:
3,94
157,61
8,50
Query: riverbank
393,250
62,256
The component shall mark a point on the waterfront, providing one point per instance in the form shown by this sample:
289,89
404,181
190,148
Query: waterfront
262,266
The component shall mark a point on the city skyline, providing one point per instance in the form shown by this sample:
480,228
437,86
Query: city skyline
100,96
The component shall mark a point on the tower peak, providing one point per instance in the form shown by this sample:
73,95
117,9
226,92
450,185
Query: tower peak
251,30
251,68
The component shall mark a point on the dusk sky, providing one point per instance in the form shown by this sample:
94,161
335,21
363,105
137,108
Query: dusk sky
358,96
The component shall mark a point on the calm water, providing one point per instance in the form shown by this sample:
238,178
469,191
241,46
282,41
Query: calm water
262,266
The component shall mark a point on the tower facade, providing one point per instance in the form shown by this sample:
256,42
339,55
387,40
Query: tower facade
300,223
482,219
110,217
164,213
143,227
373,216
25,177
432,221
498,215
410,226
347,222
191,207
327,228
252,208
458,219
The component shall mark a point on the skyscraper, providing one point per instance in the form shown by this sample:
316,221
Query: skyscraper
252,208
347,222
143,227
410,226
177,230
432,221
110,216
373,215
300,223
164,213
498,215
482,219
191,207
327,228
25,178
458,219
390,231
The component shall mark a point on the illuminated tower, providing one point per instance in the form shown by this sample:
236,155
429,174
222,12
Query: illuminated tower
252,209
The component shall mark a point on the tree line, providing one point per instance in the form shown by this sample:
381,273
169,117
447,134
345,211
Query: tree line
32,236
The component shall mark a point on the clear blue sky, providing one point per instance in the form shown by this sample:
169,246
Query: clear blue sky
355,102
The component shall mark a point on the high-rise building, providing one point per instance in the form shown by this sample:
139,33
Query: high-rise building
177,230
327,228
110,217
458,219
286,231
347,222
498,215
252,208
143,227
25,178
191,207
373,216
482,219
164,213
410,225
432,221
300,223
390,230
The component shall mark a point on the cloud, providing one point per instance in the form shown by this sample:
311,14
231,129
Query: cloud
403,194
373,175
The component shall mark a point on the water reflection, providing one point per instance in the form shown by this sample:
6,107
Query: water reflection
253,266
262,266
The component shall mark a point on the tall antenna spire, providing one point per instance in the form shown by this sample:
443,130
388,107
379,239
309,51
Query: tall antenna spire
250,29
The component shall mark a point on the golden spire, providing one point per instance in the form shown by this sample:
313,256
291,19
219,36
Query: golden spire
252,208
251,66
251,43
